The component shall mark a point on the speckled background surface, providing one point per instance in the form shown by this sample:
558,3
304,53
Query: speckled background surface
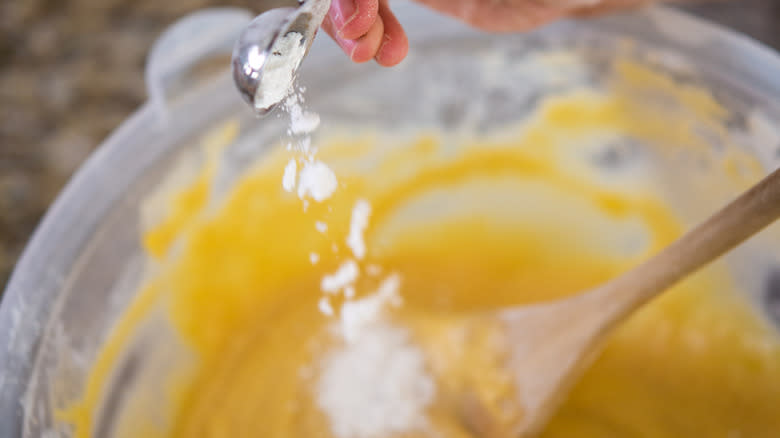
72,70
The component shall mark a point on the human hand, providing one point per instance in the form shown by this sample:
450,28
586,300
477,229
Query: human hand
367,29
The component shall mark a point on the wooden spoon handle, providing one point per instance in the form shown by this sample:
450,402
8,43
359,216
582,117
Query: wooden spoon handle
742,218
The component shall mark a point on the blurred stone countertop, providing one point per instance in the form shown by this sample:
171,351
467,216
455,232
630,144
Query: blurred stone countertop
72,70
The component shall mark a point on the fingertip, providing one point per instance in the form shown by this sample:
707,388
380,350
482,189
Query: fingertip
395,43
385,40
365,48
391,54
352,19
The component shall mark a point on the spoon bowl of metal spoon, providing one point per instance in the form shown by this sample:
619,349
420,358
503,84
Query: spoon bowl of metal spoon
269,51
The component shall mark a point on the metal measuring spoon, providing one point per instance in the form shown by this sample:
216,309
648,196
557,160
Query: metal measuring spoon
269,51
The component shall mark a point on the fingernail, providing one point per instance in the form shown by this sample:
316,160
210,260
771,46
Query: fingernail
344,11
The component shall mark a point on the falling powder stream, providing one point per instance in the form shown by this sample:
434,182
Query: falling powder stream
358,225
376,383
314,179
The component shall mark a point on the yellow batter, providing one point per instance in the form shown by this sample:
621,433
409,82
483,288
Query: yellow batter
467,225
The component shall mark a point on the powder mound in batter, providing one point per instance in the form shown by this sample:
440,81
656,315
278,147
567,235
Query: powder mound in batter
376,386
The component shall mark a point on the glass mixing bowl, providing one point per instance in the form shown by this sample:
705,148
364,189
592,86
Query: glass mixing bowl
85,261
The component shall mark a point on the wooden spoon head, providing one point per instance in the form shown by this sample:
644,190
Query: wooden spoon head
550,347
506,372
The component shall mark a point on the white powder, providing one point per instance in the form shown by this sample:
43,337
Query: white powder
301,122
360,214
279,70
376,386
345,276
316,181
304,145
288,180
325,306
357,315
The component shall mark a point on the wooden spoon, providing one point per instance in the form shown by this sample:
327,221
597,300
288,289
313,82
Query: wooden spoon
548,346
